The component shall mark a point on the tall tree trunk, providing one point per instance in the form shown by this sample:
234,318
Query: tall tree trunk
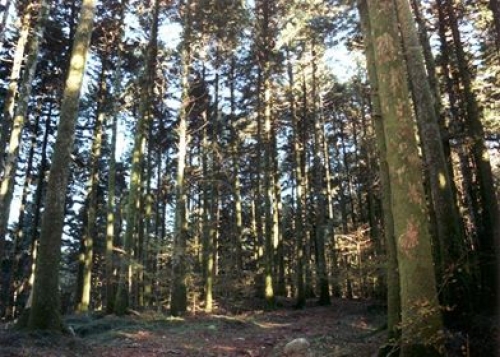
456,126
330,194
16,277
326,154
258,190
417,278
430,64
111,213
206,241
18,117
304,137
393,297
210,247
235,153
137,270
278,224
268,194
44,312
489,237
122,294
159,220
111,203
148,245
347,190
38,198
90,232
298,146
13,88
265,13
319,193
178,303
207,248
213,196
449,231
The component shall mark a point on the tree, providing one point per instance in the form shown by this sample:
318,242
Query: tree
133,211
44,313
393,297
319,188
90,230
111,206
448,222
300,198
15,76
15,281
17,115
179,291
421,317
467,132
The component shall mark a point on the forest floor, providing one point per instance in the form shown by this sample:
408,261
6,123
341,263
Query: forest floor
346,328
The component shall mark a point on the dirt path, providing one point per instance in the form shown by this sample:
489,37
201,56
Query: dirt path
347,328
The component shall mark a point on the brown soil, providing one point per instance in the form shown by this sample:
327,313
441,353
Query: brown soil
347,328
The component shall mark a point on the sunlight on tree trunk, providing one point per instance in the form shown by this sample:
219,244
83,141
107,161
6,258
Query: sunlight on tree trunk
419,305
448,229
393,298
45,312
178,304
133,209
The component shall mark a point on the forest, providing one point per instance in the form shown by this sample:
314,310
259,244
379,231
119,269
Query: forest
218,157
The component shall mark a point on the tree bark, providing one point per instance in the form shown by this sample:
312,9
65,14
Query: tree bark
268,194
297,146
14,120
178,303
12,89
15,285
449,231
90,232
489,237
235,153
393,297
319,193
39,195
45,314
417,279
111,203
133,208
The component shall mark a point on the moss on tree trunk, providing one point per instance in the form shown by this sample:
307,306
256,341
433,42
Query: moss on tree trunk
421,317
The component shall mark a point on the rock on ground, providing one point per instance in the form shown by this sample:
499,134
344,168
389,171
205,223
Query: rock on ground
297,348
